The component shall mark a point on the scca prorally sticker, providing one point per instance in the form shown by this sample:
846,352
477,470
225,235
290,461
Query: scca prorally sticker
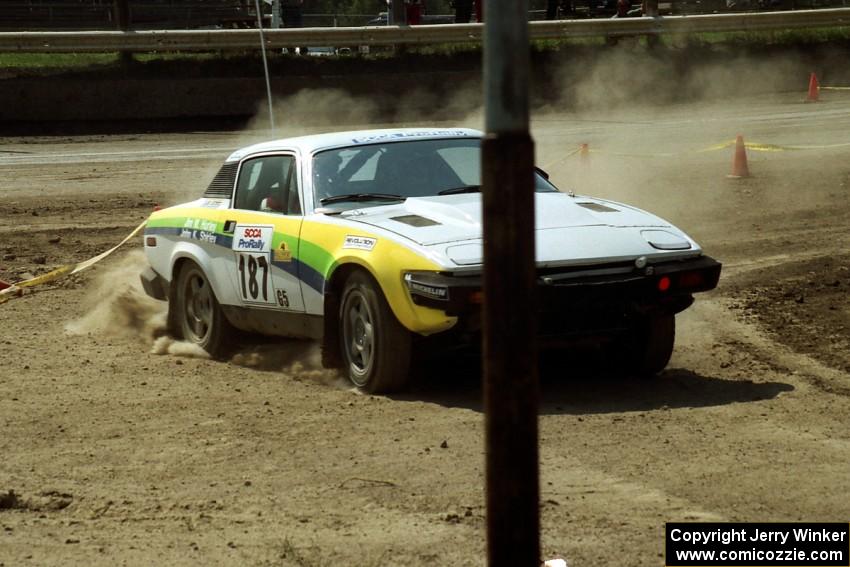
252,238
359,242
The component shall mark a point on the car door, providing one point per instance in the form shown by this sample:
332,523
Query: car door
265,223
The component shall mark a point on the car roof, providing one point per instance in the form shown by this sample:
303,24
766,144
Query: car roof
316,142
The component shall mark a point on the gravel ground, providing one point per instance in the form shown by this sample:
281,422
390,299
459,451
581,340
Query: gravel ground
121,448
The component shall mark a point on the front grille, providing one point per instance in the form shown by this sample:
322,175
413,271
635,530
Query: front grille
221,187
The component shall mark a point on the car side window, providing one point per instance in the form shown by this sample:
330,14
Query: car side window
269,184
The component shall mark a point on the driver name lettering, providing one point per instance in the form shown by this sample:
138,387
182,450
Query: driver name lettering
199,229
199,224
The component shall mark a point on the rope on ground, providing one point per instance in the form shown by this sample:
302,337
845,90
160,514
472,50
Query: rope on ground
16,290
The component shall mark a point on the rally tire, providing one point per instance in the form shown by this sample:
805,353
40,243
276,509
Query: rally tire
194,313
375,347
646,349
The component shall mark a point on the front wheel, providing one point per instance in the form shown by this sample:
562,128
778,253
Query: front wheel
375,346
646,349
194,313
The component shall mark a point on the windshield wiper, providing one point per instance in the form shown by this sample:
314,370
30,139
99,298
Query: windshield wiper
361,197
464,189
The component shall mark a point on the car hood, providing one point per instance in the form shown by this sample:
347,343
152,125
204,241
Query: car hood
453,218
570,230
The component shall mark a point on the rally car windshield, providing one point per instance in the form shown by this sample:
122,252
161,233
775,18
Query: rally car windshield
420,168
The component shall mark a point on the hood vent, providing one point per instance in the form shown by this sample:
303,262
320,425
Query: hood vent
596,207
415,220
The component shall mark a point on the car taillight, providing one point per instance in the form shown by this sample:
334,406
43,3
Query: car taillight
664,283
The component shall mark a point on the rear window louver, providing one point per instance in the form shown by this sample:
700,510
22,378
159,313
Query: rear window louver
221,187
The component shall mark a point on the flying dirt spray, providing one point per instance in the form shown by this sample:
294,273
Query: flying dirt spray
119,307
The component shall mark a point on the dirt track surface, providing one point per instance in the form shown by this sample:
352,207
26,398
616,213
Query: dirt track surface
118,455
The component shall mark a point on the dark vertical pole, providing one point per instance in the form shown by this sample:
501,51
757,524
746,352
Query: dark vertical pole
398,13
121,11
509,315
122,14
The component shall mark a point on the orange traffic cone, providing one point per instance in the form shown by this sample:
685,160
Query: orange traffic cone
739,163
814,89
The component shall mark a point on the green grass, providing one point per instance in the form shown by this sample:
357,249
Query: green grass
801,37
778,37
55,60
77,61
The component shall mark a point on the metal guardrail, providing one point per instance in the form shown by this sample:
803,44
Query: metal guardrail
221,40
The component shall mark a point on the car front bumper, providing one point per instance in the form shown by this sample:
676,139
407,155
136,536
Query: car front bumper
580,300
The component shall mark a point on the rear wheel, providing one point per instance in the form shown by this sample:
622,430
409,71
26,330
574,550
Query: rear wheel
645,350
375,346
194,313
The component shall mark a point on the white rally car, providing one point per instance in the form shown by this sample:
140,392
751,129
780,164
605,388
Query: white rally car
371,242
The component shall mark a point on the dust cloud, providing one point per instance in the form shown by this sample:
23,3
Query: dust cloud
622,78
313,111
117,305
298,359
612,79
168,345
655,123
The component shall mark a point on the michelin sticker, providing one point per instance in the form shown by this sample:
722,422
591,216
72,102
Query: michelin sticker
252,238
359,242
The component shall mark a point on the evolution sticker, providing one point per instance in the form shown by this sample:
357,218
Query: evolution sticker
252,238
359,242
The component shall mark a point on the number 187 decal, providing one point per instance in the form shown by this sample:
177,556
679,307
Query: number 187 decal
255,281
